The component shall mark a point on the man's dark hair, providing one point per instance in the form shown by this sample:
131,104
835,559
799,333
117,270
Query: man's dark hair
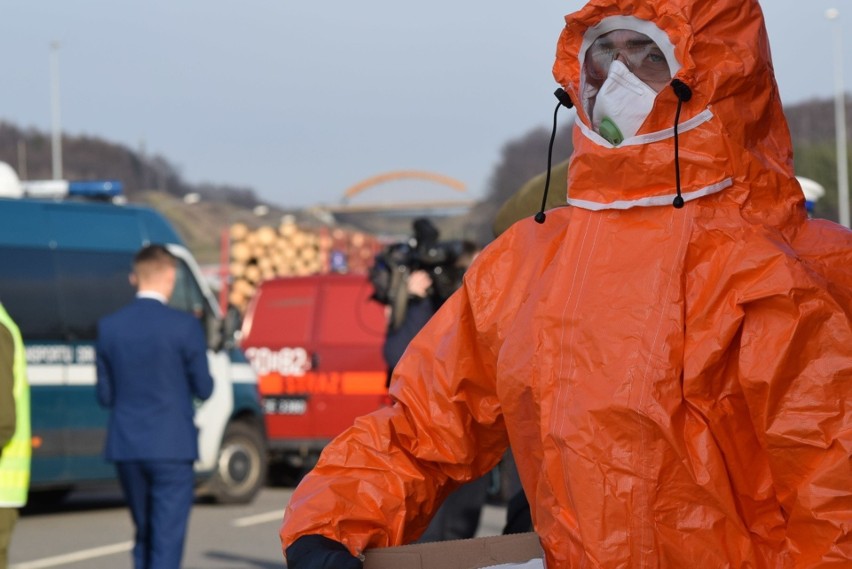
152,258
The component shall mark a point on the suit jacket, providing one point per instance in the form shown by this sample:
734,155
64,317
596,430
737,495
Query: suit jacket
151,362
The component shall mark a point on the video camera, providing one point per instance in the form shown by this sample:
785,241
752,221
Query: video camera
423,251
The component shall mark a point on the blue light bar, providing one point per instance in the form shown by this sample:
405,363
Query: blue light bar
95,188
58,189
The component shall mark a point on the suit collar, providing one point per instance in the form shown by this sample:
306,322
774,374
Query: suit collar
152,295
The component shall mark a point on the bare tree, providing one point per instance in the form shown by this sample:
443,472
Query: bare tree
520,160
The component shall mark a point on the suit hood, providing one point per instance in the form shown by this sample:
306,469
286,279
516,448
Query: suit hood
733,137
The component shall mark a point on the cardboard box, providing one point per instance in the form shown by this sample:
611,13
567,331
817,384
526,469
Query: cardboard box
458,554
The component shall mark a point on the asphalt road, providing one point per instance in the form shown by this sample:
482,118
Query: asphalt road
92,530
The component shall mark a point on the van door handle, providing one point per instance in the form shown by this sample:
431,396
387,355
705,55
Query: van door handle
315,360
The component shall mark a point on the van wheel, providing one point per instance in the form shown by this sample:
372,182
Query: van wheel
241,466
49,499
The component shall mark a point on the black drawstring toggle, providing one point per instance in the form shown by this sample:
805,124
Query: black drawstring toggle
682,90
684,94
564,98
564,101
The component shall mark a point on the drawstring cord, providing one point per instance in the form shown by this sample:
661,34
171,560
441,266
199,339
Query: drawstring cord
564,101
684,94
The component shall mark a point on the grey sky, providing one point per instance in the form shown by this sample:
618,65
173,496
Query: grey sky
301,100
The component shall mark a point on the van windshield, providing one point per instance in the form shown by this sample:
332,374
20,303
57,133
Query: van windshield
187,295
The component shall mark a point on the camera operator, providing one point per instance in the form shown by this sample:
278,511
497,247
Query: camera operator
418,276
419,307
413,279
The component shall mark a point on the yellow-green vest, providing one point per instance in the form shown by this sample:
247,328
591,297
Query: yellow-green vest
15,460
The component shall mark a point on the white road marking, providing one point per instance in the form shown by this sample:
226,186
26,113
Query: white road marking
276,515
76,556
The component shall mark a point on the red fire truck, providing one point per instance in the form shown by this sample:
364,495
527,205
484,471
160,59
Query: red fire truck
315,343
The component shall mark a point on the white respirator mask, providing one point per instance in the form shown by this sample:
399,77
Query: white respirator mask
621,105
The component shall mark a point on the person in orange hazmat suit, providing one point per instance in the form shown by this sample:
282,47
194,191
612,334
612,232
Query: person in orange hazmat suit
669,355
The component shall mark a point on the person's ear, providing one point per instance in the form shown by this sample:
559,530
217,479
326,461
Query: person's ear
134,280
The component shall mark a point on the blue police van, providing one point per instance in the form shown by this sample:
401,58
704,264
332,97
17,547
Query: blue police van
64,263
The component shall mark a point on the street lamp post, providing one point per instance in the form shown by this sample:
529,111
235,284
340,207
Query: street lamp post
56,141
840,120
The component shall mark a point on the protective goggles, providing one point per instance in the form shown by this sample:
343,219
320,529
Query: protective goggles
637,51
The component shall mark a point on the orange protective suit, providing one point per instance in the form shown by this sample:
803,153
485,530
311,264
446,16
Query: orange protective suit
676,384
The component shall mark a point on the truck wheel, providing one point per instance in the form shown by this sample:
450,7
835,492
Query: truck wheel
241,466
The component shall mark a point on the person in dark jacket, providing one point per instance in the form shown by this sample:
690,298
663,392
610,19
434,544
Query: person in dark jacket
459,515
151,365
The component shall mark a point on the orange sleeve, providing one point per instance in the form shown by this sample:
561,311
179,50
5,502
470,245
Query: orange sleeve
795,367
379,483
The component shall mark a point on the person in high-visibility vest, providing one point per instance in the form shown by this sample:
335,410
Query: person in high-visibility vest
14,430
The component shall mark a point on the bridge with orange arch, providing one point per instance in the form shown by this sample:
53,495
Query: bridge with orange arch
403,175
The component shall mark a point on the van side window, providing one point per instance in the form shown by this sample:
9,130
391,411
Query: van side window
92,284
28,291
59,295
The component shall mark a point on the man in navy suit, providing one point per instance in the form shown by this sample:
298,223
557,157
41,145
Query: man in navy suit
152,362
